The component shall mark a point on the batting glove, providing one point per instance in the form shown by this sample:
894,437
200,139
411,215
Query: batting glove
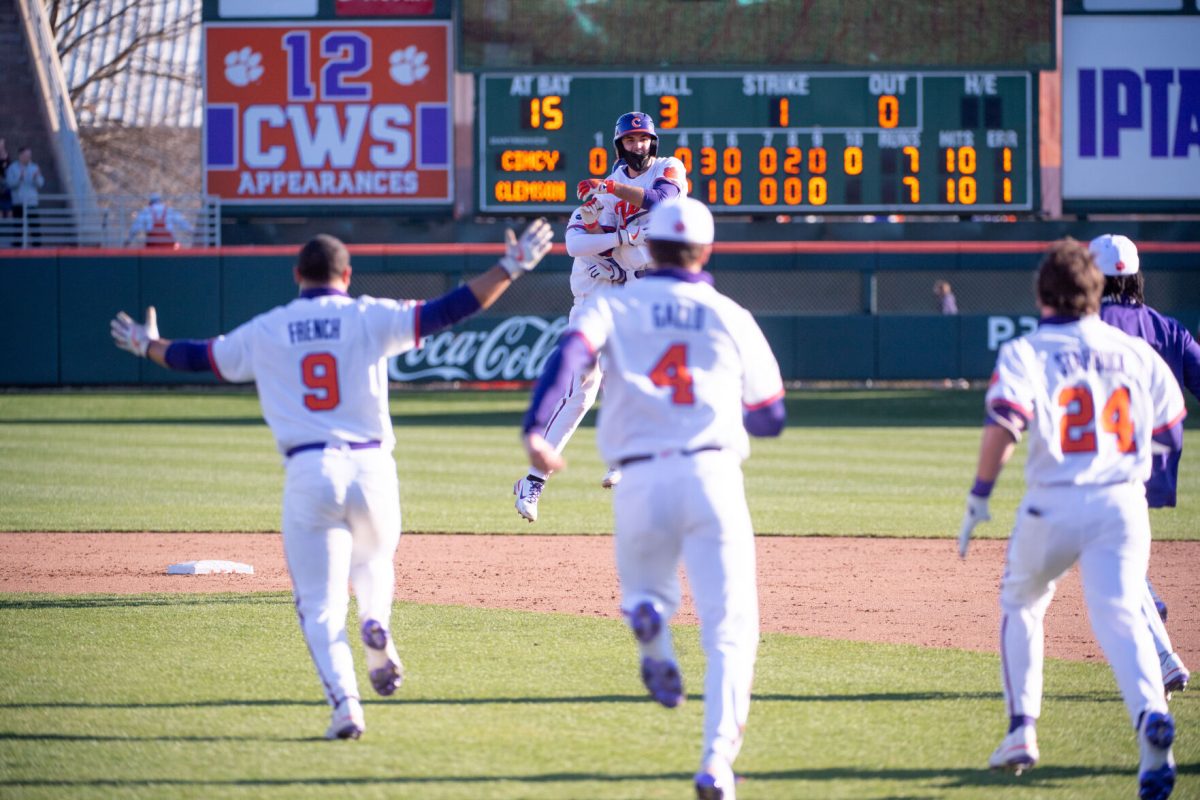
607,271
634,234
132,336
977,512
589,187
589,212
522,255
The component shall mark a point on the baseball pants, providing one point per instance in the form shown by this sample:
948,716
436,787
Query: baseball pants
341,526
1106,529
694,507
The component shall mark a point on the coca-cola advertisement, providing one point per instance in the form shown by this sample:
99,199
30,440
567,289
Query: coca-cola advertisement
508,349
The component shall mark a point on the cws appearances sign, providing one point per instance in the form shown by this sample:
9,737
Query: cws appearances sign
508,349
328,114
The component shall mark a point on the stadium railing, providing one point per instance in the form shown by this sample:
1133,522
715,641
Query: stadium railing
61,221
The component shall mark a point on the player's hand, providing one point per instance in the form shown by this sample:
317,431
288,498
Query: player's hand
977,512
590,187
589,212
522,255
607,270
542,455
632,233
132,336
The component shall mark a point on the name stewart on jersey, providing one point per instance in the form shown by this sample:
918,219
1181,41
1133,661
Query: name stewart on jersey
1089,361
678,315
314,330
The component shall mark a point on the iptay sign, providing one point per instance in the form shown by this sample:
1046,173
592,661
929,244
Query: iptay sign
328,113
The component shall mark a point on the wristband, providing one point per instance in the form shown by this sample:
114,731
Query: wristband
982,488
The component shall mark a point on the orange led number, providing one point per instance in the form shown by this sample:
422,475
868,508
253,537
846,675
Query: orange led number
544,112
668,111
708,161
598,161
852,160
889,111
671,372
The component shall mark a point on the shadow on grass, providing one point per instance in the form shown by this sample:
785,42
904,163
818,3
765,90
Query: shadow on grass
141,601
1044,777
864,697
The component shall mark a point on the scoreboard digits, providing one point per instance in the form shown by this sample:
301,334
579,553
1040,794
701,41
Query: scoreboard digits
843,142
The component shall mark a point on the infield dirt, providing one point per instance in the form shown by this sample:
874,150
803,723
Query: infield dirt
906,591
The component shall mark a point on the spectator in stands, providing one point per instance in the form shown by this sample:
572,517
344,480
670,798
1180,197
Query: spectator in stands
24,178
160,223
5,192
945,296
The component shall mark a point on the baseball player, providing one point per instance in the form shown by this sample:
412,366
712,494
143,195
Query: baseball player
1124,307
1095,401
688,374
606,238
320,366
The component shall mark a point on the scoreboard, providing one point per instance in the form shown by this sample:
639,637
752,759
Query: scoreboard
769,142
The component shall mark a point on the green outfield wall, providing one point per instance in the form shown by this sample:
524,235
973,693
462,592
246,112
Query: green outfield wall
854,310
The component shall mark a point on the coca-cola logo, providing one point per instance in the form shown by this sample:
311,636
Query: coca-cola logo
516,349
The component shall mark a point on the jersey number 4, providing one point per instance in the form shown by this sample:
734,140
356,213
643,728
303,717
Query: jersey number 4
672,371
319,371
1078,434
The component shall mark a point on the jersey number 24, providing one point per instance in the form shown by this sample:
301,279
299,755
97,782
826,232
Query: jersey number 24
1078,434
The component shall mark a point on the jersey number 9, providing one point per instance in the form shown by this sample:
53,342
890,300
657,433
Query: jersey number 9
319,371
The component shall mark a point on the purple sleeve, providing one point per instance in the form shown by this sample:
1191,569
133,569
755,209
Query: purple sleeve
1191,365
662,189
572,355
441,313
767,420
189,355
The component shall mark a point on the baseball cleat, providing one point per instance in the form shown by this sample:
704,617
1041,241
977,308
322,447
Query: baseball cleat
611,478
528,490
663,681
1018,752
646,621
1156,774
1175,675
715,780
383,662
348,721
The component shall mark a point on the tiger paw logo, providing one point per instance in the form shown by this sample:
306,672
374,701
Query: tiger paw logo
408,65
243,67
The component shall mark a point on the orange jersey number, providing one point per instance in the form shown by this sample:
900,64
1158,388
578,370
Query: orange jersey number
672,371
1075,436
319,371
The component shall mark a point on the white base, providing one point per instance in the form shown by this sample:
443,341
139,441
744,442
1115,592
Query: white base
209,567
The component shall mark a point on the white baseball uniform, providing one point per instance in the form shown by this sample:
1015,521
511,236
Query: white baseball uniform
320,364
1092,397
629,259
682,362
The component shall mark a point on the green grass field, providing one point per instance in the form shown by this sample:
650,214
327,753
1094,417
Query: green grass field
214,696
880,463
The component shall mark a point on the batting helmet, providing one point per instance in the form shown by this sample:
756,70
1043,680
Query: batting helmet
635,122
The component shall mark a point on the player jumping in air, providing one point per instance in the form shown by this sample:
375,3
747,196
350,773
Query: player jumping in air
320,365
605,237
688,374
1095,402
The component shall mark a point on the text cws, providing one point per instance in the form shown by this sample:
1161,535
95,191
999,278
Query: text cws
780,141
314,330
314,116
